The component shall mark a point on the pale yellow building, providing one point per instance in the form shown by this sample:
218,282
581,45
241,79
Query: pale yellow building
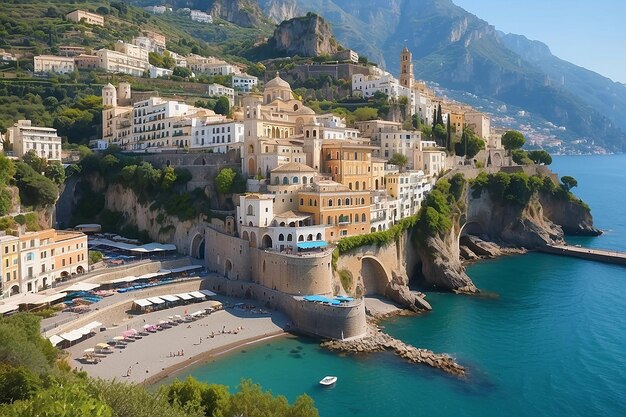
79,16
343,211
9,264
348,163
52,63
43,140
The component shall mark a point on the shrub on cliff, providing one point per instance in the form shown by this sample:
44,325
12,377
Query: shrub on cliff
35,189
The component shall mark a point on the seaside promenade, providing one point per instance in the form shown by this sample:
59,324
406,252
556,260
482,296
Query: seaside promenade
600,255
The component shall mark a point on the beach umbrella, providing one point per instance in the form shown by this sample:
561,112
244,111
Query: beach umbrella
128,333
102,346
89,350
118,338
147,326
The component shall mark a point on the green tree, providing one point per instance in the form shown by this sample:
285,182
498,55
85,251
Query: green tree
439,115
35,189
399,160
34,161
540,157
95,257
224,181
55,172
155,59
568,182
520,157
222,106
168,178
440,134
7,169
72,170
470,144
168,61
365,113
513,140
17,383
182,72
71,400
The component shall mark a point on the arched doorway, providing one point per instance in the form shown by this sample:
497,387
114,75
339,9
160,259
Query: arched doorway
253,240
197,247
251,167
15,289
80,270
228,268
375,277
266,242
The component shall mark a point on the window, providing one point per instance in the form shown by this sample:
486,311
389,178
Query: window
250,210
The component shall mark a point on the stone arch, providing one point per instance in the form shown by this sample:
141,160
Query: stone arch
375,276
266,242
253,240
80,269
318,237
245,235
228,268
197,246
15,289
496,159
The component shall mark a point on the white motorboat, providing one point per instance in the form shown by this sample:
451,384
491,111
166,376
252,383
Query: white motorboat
328,381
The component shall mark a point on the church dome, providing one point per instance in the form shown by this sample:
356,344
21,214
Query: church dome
277,82
305,110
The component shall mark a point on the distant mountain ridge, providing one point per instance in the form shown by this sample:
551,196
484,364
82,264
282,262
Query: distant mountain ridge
458,50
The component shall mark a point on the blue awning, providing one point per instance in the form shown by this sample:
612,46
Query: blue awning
312,244
321,299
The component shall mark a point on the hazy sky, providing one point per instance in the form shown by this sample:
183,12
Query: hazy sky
591,34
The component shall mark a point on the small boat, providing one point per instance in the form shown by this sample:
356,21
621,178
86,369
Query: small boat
328,381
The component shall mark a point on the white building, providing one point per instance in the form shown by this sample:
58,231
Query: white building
200,16
147,43
218,135
367,85
51,63
158,123
401,142
431,159
218,90
156,72
126,59
210,65
258,224
409,189
244,82
43,140
158,9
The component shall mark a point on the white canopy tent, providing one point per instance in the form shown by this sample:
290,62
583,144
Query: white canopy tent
82,286
156,300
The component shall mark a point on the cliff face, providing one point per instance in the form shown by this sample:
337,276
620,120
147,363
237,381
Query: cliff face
573,217
305,36
440,264
244,13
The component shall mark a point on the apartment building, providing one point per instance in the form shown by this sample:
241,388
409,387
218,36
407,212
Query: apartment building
84,16
244,82
343,211
9,264
43,140
216,133
210,65
51,63
125,59
218,90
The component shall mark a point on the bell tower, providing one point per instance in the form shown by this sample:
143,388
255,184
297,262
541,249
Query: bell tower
406,68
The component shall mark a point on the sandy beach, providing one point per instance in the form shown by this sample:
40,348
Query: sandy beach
160,354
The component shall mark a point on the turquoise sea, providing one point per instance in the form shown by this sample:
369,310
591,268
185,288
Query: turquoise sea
550,341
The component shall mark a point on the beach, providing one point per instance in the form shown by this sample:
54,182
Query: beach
160,354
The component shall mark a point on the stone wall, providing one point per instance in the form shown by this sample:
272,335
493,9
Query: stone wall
312,318
234,258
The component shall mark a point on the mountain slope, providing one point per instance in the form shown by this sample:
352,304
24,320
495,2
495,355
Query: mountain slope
599,92
459,50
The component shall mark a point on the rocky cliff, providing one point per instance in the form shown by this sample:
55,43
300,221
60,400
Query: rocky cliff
506,227
244,13
309,35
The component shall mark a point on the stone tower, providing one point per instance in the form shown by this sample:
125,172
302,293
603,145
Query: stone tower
252,130
124,94
406,68
109,96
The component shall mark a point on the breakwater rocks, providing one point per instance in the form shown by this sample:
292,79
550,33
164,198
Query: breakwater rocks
377,341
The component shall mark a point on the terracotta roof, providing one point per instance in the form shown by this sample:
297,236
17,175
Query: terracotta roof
293,167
